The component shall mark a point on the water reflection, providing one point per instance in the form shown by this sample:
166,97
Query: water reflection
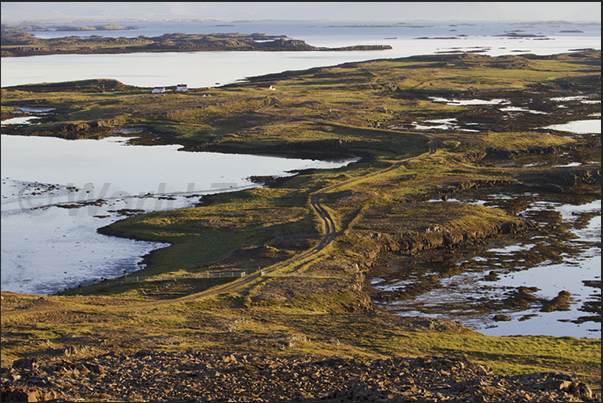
579,126
56,193
464,102
488,282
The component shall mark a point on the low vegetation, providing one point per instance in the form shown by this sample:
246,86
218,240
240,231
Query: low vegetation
309,243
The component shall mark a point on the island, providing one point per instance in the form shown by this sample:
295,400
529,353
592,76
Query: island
17,42
46,28
302,318
396,25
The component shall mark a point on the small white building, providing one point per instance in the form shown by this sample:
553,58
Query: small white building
158,90
181,87
266,86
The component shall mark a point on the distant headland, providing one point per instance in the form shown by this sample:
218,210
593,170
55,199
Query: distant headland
18,42
59,28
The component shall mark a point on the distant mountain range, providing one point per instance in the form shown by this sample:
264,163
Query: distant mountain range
14,12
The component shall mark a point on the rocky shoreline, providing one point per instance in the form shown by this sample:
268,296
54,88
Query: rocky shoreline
192,376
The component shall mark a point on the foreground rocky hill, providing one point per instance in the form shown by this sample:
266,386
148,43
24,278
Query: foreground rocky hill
191,376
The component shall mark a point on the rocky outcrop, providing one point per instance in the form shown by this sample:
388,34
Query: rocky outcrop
191,376
412,242
28,395
568,178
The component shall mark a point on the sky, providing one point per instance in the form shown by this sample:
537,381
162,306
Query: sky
60,12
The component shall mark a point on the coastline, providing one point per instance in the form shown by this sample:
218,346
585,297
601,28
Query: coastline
20,43
381,209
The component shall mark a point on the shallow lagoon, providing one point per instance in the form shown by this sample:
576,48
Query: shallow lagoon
468,289
51,209
579,126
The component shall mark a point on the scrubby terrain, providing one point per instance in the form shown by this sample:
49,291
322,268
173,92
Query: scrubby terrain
310,245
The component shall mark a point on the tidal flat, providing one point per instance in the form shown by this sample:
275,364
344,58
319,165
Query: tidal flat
51,214
312,245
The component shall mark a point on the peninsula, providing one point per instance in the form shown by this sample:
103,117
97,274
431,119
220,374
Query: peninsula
305,321
16,42
58,28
